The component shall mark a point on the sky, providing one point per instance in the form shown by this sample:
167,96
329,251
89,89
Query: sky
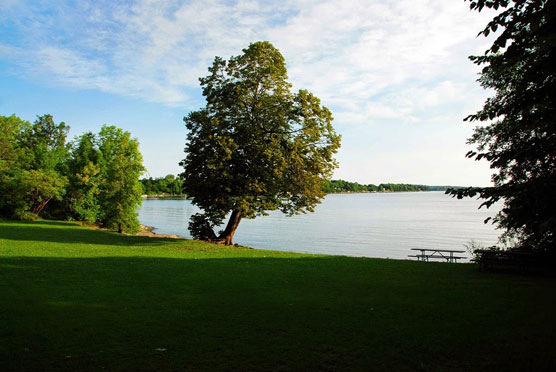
394,73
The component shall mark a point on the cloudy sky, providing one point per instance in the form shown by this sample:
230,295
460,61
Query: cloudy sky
394,73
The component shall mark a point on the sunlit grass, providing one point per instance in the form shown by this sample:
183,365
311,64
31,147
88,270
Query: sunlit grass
72,298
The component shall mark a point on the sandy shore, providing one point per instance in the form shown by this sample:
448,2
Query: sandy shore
147,231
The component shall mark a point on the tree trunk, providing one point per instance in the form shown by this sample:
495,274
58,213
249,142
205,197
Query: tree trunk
39,207
227,235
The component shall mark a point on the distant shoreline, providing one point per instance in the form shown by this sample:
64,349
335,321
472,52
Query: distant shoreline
379,192
163,196
168,196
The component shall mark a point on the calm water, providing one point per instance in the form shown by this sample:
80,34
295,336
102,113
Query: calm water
371,225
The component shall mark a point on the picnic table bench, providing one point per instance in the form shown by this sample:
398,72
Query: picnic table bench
442,254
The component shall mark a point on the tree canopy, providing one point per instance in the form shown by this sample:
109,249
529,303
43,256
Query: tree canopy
120,168
256,146
32,165
95,178
518,137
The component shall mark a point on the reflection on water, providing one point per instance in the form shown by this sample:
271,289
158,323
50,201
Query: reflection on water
370,225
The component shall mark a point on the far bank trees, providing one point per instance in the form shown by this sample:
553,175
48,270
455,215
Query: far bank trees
256,146
168,185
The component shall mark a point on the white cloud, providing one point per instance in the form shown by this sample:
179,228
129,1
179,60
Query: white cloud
394,62
156,50
70,67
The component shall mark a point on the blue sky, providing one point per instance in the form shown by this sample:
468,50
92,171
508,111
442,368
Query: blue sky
394,73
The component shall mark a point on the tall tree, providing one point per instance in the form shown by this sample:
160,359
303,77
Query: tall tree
120,192
47,142
13,157
32,163
519,135
256,146
12,153
84,179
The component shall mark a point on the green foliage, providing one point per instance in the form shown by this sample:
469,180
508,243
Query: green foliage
12,153
201,226
121,165
104,172
85,185
256,146
519,135
85,179
46,141
96,178
336,186
169,185
38,187
32,161
12,158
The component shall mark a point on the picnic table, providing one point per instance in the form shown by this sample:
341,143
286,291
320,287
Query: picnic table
443,254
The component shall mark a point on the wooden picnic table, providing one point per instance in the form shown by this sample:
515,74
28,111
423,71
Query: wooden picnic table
431,253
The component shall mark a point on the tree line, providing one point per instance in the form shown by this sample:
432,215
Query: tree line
337,186
94,178
173,186
169,185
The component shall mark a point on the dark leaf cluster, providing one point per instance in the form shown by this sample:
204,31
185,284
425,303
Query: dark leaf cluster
518,135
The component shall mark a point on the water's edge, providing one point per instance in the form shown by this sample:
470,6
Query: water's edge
383,225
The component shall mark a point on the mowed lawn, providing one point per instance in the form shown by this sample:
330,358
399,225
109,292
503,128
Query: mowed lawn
73,298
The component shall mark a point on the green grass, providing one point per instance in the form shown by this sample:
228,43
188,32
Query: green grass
72,298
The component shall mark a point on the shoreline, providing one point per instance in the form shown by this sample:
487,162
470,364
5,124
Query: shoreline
179,196
163,196
145,231
148,231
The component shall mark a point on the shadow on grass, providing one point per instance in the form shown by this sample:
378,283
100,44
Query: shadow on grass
68,232
44,222
308,313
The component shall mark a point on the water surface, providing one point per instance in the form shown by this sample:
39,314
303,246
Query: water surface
370,225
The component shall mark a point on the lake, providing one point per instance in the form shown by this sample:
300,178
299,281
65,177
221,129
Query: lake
383,225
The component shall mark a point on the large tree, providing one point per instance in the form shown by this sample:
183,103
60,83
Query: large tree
32,165
46,140
256,146
84,179
12,153
104,186
519,134
121,165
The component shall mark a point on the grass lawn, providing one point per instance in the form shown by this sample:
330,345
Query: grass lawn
73,298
